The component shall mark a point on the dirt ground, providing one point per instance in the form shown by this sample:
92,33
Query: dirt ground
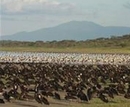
53,103
119,101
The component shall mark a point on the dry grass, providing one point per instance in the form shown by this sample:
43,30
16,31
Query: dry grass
95,102
77,50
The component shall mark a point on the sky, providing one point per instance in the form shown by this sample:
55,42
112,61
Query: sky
29,15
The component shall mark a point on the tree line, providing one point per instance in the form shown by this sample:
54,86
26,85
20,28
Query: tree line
113,41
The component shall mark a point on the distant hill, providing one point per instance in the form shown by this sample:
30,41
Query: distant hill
74,30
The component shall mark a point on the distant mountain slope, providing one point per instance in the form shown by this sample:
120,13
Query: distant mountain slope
74,30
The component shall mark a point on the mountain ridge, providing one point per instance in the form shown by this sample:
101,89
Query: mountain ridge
73,30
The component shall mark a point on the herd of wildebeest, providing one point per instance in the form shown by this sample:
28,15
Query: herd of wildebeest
78,82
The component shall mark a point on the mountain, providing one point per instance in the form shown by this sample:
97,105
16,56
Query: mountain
74,30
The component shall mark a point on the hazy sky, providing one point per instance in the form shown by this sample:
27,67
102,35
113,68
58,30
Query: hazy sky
29,15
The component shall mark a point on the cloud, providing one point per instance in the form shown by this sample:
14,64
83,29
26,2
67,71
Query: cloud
127,5
47,9
35,7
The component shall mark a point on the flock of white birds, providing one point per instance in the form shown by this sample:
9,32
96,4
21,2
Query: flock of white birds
67,58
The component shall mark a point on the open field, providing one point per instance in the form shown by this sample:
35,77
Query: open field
66,50
117,102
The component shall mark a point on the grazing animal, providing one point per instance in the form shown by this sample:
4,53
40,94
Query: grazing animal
114,91
38,98
44,93
50,94
6,96
127,95
89,93
82,96
98,86
108,91
69,96
103,97
45,101
57,96
13,93
1,101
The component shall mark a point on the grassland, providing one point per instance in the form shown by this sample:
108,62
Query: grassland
75,50
116,102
